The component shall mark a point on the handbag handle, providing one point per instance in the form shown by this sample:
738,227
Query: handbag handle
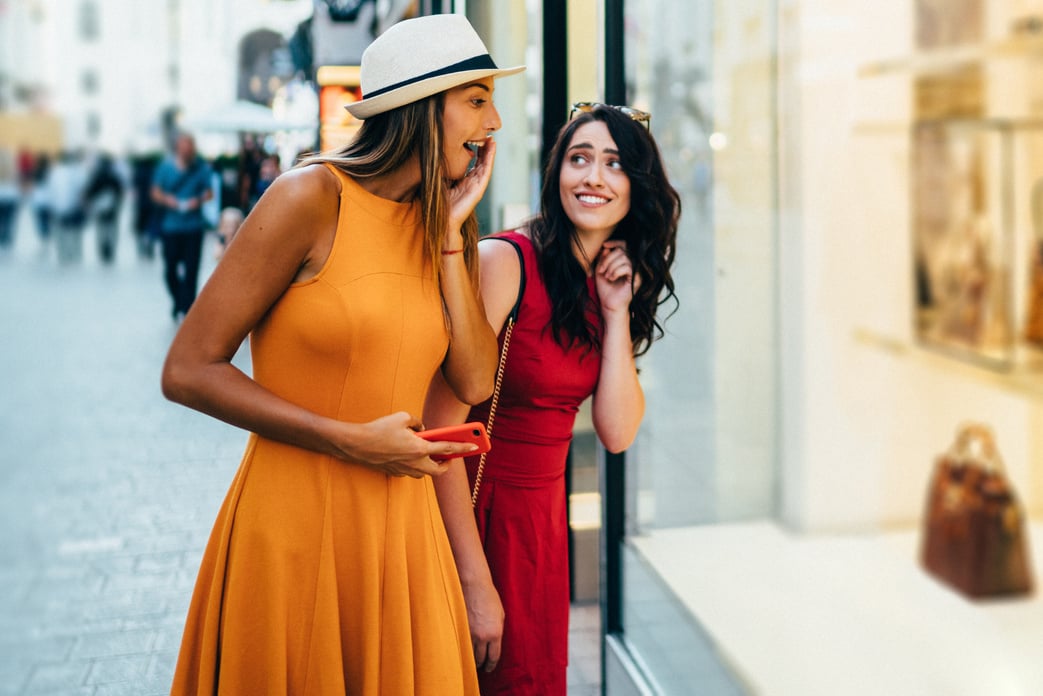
970,435
511,319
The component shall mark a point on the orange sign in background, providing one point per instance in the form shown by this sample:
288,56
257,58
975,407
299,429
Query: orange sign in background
338,86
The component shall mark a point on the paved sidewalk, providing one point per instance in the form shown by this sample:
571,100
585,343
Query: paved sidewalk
107,491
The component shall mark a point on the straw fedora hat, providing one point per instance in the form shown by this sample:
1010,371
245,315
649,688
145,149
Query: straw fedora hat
416,58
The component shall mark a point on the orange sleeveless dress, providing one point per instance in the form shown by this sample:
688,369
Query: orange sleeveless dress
324,577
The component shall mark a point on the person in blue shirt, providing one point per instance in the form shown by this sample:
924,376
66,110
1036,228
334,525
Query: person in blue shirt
104,196
182,184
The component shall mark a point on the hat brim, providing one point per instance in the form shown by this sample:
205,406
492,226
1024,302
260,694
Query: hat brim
410,93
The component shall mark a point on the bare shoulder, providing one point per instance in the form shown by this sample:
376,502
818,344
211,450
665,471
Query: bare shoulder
304,201
498,256
291,223
500,278
307,184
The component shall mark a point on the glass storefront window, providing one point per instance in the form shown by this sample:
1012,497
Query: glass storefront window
707,447
512,33
857,269
706,453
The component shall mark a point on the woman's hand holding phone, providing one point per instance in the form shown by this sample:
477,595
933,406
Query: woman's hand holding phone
471,433
390,444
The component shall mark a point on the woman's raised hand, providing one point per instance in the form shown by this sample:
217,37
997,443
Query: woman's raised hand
465,193
614,277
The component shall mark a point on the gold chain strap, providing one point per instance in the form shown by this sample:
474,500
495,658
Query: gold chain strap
492,407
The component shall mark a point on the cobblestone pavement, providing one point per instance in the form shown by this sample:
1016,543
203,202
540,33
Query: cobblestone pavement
107,491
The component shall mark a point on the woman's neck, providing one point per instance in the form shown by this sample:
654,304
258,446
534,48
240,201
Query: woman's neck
399,186
587,245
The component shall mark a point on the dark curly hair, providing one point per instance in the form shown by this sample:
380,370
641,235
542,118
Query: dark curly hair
649,230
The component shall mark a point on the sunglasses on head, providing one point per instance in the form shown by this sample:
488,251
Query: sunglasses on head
642,117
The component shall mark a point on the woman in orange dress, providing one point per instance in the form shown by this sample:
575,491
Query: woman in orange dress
328,570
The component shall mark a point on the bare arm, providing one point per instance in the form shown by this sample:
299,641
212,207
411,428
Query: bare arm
619,402
470,366
286,238
500,276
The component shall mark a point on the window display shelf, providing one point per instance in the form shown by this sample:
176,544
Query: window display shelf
849,614
1025,378
904,127
976,204
955,58
976,215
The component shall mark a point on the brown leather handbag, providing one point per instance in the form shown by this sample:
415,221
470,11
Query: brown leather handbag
975,536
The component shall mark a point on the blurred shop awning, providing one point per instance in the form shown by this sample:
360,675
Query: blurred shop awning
243,117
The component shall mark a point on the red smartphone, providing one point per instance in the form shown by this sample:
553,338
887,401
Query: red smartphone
465,432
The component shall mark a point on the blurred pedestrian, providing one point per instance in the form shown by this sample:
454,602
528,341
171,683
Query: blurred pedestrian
180,187
213,206
226,166
329,570
147,213
227,226
266,174
68,182
104,196
40,196
588,275
249,169
26,166
10,194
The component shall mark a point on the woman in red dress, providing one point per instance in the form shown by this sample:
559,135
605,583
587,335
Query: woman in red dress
596,264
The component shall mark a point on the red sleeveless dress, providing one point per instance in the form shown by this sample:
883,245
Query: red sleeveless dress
521,507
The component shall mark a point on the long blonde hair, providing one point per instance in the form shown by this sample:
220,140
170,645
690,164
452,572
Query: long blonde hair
386,142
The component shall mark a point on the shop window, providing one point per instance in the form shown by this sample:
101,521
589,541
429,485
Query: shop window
706,454
264,66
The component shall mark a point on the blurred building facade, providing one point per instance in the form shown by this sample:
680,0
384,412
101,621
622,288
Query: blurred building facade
117,72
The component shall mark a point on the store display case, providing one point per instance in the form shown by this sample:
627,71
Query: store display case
976,186
977,209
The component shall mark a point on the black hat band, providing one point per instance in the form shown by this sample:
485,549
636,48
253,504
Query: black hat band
482,62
